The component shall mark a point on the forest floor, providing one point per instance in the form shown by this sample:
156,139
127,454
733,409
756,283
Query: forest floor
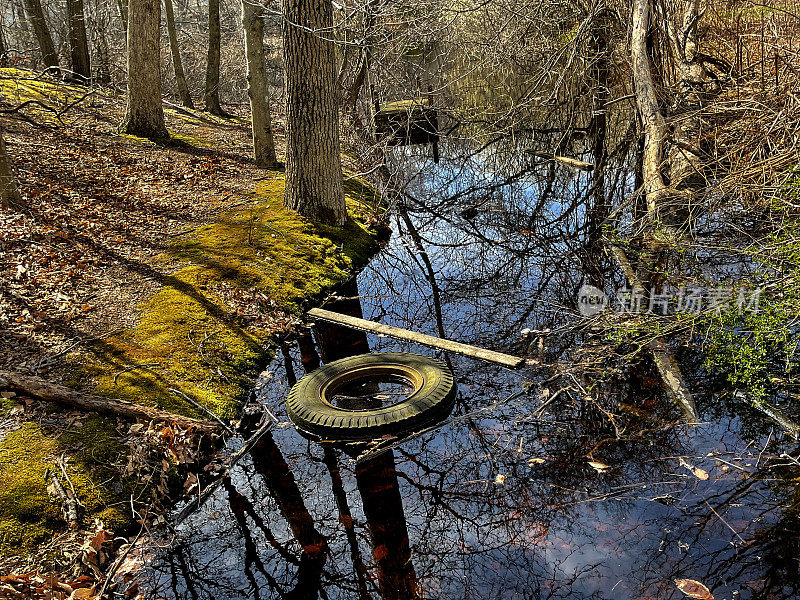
142,271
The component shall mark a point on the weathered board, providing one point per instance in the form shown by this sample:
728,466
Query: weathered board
506,360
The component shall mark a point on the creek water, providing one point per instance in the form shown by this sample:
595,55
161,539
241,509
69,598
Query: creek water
520,494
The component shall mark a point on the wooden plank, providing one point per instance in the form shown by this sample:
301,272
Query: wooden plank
513,362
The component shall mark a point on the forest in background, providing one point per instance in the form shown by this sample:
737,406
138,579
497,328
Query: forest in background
693,105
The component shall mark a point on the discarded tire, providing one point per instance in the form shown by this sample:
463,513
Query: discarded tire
316,408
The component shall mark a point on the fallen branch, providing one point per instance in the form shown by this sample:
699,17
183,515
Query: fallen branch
70,505
198,501
773,414
37,387
662,356
564,160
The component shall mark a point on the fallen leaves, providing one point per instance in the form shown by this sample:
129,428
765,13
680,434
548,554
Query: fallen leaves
694,589
696,471
598,466
47,586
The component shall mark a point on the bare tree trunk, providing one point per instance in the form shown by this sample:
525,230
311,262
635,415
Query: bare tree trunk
78,44
313,164
42,31
144,115
180,77
212,69
3,50
123,12
647,102
693,86
101,53
9,193
263,140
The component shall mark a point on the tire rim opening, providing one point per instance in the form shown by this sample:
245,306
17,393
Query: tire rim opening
371,388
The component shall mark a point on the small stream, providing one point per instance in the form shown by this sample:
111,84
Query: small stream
520,494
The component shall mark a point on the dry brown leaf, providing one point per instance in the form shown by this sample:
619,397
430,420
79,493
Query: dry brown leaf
598,466
82,594
694,589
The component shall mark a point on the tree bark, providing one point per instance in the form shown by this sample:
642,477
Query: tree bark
263,140
9,193
102,59
52,392
3,50
144,116
78,43
123,12
42,31
180,76
693,86
212,69
313,164
647,102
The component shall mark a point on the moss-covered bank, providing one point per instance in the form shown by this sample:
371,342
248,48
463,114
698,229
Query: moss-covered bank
192,336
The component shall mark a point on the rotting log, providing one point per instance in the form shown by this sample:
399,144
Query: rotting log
506,360
662,356
41,389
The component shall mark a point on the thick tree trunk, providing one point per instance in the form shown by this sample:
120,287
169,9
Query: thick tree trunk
78,44
649,110
144,116
212,69
37,387
9,193
42,31
313,164
693,86
180,77
263,140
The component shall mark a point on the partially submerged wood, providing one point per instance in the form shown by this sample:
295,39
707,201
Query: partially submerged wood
673,378
564,160
662,356
37,387
506,360
777,417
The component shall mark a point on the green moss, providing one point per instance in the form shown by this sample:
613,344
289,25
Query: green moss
18,86
6,405
27,515
756,348
188,338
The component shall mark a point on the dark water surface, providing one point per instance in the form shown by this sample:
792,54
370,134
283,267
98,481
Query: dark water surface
522,494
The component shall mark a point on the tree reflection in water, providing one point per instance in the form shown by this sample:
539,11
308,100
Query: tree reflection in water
499,503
